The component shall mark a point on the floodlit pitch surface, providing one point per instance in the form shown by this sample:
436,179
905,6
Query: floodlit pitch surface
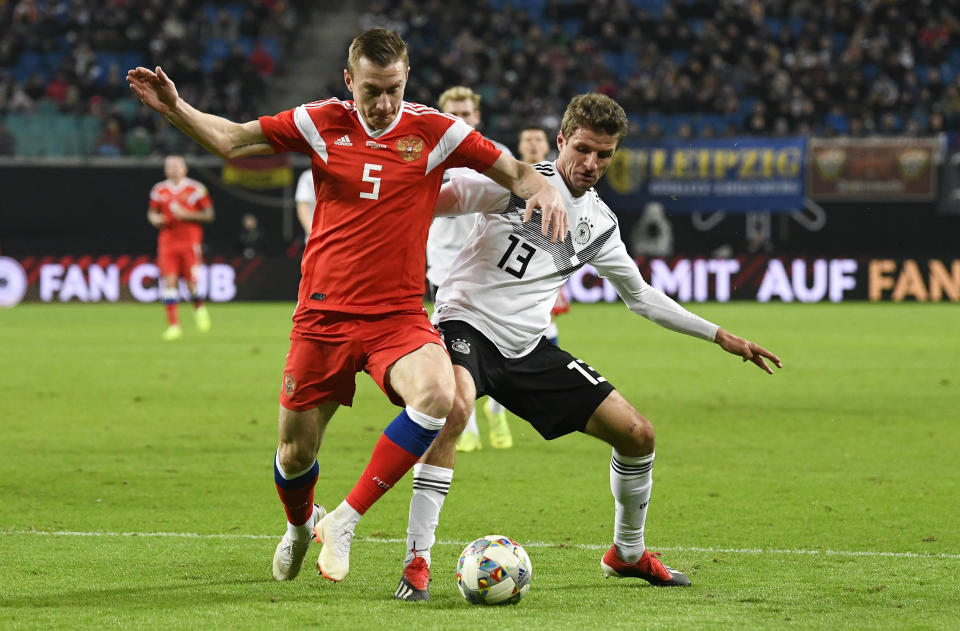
137,492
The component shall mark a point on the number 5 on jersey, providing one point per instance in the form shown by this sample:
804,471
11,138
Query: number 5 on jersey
368,170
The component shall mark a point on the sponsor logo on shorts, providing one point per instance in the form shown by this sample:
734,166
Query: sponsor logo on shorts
289,385
461,346
318,296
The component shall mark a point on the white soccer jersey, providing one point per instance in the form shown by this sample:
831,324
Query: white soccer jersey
447,234
505,279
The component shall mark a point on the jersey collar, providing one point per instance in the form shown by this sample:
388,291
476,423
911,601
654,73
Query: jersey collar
380,132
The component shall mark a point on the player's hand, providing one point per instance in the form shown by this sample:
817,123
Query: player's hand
177,211
746,349
153,88
554,222
157,220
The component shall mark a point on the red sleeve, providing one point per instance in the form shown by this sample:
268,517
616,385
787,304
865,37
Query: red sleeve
475,152
283,134
155,199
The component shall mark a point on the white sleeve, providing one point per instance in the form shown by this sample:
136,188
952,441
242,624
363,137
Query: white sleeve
471,193
615,264
305,188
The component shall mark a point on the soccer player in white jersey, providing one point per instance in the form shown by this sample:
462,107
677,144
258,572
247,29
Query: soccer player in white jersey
494,308
447,235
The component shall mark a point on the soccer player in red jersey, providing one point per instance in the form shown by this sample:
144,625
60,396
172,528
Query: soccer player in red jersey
378,163
178,205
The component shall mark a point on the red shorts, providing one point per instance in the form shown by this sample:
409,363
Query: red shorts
181,260
323,360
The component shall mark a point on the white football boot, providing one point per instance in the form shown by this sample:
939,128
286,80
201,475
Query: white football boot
336,535
288,558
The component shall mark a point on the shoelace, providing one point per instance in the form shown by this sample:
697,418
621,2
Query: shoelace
653,566
289,548
342,544
417,572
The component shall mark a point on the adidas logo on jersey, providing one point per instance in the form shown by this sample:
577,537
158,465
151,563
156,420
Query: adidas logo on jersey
344,141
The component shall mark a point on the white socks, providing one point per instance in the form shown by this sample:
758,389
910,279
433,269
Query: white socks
347,514
430,486
631,478
301,532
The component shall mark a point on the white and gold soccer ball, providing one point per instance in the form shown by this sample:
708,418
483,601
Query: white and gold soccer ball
494,570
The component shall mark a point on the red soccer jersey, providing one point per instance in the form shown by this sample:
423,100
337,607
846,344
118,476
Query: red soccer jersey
376,193
192,197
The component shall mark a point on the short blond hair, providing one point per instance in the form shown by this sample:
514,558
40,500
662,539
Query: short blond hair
596,112
379,46
459,93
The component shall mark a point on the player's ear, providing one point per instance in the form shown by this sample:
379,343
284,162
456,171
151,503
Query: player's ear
560,140
347,79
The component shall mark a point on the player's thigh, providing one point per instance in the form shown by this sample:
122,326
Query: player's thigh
423,379
168,263
475,355
318,371
406,358
552,390
619,424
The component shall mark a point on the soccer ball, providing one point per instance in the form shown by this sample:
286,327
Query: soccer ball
494,570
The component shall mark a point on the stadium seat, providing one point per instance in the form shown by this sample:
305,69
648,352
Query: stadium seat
89,131
127,107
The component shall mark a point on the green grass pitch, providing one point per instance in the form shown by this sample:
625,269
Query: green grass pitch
137,493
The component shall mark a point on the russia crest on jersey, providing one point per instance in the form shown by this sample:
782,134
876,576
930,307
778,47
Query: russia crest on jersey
410,148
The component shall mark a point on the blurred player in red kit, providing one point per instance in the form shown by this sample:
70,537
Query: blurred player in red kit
378,164
178,205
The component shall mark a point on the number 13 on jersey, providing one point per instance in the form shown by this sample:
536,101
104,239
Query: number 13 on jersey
522,258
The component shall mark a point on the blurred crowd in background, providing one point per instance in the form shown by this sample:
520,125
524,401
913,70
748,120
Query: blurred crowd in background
63,65
681,68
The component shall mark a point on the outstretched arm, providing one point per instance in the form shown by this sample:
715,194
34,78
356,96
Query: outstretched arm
218,135
615,264
524,181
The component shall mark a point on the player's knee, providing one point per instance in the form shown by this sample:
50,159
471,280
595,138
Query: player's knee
437,399
295,456
637,439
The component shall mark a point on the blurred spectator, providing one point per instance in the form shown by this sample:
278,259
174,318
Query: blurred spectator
262,60
58,88
111,141
250,240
